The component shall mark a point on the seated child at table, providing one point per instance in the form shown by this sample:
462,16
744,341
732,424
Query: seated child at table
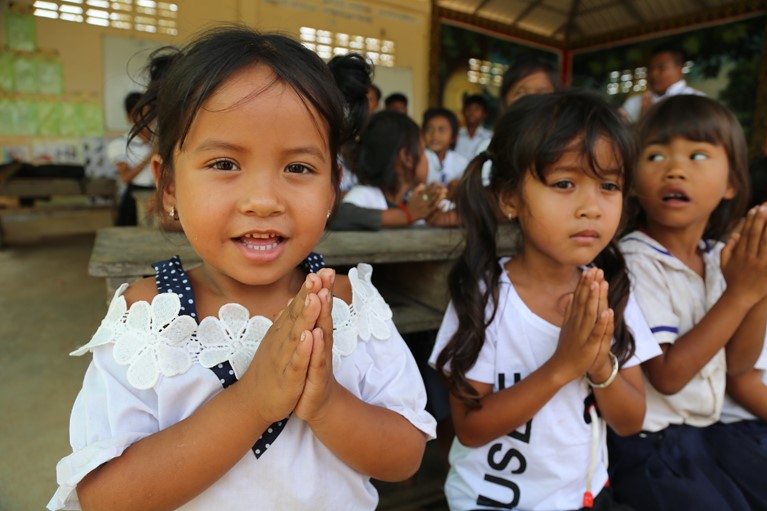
391,170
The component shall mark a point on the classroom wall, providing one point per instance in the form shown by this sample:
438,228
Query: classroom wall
80,46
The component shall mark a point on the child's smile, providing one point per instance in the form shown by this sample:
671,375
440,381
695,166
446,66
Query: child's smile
253,179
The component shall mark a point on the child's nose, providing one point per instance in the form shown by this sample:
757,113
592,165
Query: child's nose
259,195
589,205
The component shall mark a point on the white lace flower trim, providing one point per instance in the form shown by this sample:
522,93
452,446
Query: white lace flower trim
154,340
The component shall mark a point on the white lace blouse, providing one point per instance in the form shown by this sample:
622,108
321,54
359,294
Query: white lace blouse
150,370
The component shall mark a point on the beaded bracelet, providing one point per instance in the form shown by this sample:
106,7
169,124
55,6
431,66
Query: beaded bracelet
610,378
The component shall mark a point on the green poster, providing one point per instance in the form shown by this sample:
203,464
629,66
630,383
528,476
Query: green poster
93,120
20,31
25,75
50,77
6,71
26,117
7,112
71,120
48,118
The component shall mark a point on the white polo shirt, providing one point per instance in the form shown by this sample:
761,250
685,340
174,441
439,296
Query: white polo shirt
674,299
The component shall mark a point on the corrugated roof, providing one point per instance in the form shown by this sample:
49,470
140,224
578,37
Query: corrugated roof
580,23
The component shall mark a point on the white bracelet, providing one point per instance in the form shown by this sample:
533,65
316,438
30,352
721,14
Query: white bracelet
610,378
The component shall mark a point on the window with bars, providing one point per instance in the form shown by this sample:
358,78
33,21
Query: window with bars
633,80
328,44
141,15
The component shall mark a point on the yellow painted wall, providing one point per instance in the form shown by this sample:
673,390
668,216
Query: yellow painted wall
406,22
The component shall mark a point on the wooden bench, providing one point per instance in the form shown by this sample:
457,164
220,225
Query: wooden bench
69,213
410,265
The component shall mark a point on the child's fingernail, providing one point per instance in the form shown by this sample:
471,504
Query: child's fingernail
303,336
306,302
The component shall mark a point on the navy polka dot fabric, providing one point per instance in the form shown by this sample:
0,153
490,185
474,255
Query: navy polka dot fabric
170,277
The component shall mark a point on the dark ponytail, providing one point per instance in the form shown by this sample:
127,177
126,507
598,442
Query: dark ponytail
473,279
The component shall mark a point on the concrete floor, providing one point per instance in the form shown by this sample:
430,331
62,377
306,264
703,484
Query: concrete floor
49,305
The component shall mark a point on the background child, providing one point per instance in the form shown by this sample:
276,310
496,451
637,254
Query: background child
391,168
259,404
473,133
700,300
440,129
528,76
527,342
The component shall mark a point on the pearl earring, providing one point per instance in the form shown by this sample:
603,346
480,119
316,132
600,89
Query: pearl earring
172,213
328,215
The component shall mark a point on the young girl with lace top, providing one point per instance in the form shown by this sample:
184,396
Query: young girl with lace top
541,349
705,302
249,382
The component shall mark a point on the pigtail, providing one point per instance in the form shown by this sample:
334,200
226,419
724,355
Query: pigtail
612,263
145,112
472,281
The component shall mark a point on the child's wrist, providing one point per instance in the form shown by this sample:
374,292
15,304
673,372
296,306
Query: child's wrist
606,373
409,217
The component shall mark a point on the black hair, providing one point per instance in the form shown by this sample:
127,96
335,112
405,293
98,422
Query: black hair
448,114
395,97
523,69
533,134
194,73
352,75
130,101
700,119
676,51
381,141
475,99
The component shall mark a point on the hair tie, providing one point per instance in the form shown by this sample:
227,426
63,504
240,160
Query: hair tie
486,155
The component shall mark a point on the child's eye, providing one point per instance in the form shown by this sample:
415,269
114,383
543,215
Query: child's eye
611,186
697,155
223,165
297,168
562,185
655,157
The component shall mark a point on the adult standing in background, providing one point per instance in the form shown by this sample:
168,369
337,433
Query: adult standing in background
132,160
473,133
665,78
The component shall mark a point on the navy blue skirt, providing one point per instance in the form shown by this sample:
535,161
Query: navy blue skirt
740,449
671,470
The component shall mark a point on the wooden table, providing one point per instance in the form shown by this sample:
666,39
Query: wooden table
410,265
22,223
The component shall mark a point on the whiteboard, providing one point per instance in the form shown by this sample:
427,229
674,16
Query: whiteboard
125,61
395,79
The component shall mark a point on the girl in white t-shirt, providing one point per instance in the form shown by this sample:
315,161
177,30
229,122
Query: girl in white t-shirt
540,350
706,304
247,382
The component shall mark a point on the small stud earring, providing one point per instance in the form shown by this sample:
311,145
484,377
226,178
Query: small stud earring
172,213
327,217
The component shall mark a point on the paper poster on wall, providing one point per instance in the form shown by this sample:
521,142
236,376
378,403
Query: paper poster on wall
26,117
20,31
125,63
49,118
6,71
71,120
92,119
50,77
25,75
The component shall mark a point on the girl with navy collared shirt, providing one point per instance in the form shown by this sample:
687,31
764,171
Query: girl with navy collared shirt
705,302
541,350
249,381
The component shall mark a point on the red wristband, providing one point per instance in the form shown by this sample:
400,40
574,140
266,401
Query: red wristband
403,207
